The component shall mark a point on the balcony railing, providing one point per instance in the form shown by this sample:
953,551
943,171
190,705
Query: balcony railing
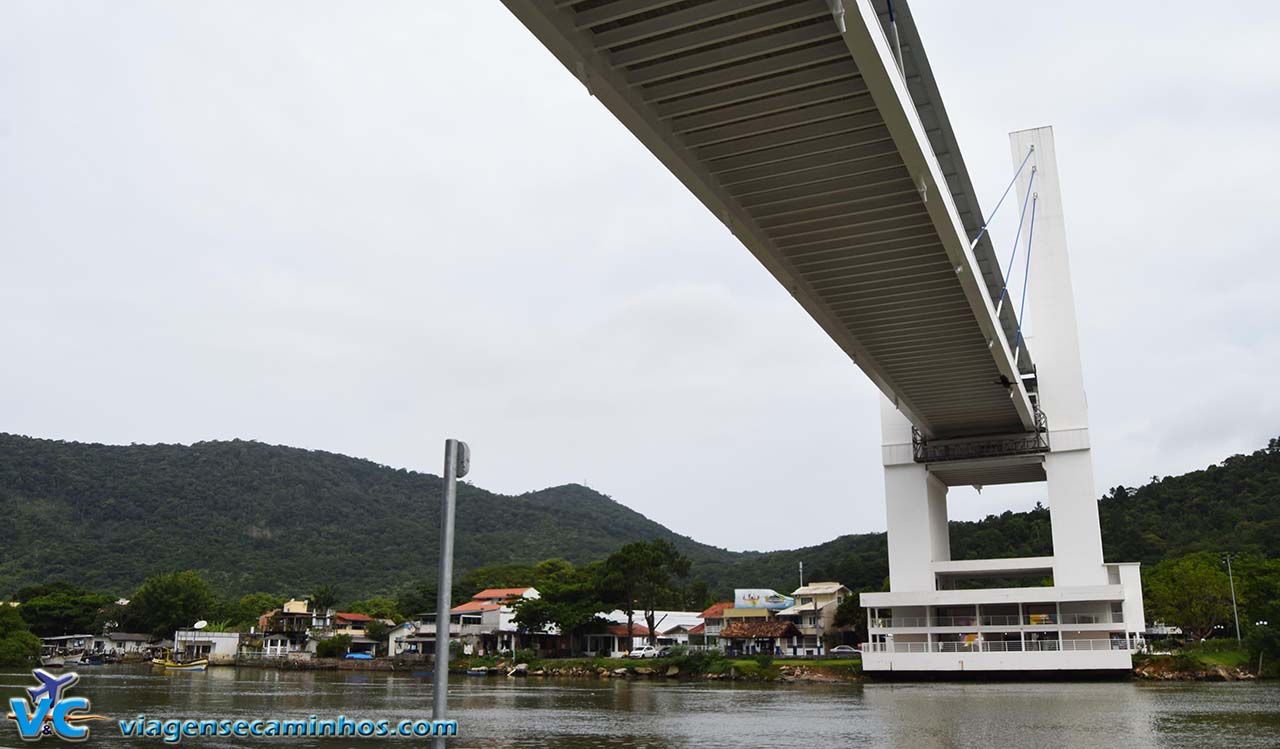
996,646
996,620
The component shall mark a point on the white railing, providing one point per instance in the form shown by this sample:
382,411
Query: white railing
995,646
995,620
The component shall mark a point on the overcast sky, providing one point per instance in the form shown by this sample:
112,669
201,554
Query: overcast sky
365,227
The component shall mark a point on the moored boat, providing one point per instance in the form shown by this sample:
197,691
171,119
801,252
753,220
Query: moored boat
170,664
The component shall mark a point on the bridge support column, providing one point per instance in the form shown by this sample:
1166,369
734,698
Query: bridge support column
916,508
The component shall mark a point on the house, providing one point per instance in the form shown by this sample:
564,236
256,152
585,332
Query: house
286,631
121,643
356,627
706,636
612,640
814,614
68,643
677,635
677,623
125,643
218,647
485,624
775,636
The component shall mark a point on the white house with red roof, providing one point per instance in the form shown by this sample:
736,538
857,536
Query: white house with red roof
485,624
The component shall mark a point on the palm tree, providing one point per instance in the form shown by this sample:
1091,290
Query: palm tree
323,599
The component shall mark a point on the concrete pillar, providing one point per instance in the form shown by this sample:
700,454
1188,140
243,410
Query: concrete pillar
1055,347
916,509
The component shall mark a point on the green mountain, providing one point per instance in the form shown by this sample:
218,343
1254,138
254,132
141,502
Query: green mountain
255,517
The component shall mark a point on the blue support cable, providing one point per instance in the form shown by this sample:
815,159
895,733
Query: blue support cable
1016,238
1025,275
1000,202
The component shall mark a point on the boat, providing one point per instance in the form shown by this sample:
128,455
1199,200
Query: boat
478,671
170,664
52,657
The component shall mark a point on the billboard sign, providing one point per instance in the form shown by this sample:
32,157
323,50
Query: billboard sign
761,598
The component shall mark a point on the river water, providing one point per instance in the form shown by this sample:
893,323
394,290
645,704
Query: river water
501,712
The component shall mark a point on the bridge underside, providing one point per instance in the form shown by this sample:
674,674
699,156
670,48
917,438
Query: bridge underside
838,171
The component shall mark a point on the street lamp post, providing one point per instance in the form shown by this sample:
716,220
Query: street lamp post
1235,613
457,461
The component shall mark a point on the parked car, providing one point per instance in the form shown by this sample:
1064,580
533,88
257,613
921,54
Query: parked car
845,649
664,651
644,651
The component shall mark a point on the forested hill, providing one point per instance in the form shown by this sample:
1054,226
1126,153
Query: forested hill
255,517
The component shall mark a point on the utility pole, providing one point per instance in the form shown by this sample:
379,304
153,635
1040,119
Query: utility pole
457,461
802,574
1235,613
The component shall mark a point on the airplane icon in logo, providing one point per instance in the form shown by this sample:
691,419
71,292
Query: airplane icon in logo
50,685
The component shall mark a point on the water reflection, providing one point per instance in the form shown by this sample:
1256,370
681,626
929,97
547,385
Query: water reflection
499,712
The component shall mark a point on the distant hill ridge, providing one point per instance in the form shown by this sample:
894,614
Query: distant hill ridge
254,517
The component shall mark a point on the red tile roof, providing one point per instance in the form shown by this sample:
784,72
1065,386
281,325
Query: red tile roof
759,630
471,606
503,593
716,611
638,630
353,617
698,629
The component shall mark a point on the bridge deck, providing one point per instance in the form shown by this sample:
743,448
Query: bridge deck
837,171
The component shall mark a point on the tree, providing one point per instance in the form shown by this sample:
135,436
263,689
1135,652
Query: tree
378,608
569,601
643,574
618,580
323,599
172,601
697,596
61,609
252,606
333,647
417,598
1191,592
377,630
18,647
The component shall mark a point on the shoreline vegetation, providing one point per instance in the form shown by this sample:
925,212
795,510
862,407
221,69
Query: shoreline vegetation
1220,666
704,666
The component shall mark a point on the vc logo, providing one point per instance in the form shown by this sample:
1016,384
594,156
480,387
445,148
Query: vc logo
50,712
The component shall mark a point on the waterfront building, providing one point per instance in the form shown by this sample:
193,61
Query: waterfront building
814,614
771,637
218,647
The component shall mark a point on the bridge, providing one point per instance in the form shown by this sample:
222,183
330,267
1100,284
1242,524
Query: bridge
815,131
836,169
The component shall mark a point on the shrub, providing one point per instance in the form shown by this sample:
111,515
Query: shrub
764,660
334,647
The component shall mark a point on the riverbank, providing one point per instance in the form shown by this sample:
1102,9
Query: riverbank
703,666
1194,666
723,670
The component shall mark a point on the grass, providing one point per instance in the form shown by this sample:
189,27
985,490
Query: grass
1225,658
1201,659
